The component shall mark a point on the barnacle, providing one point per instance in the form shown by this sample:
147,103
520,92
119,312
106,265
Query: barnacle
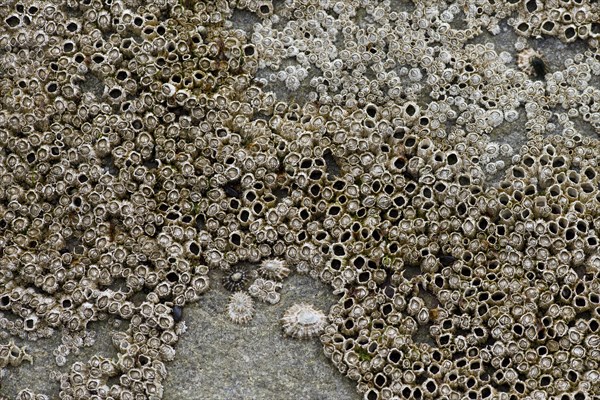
303,321
240,308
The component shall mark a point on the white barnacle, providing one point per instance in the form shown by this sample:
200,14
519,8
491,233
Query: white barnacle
240,308
168,90
60,360
303,321
415,75
495,118
506,150
292,83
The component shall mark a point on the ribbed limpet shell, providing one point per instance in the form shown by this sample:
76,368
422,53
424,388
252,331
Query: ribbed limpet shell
240,308
274,269
303,321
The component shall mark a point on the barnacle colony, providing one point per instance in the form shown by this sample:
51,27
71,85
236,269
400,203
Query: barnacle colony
448,198
265,290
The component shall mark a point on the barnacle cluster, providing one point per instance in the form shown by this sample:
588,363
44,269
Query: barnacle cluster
146,145
11,354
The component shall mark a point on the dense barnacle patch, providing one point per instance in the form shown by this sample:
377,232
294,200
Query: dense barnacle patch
265,290
302,321
393,151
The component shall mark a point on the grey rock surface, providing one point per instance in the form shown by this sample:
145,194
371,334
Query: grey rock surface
219,360
37,375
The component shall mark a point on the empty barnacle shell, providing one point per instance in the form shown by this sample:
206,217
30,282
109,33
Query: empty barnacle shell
303,321
30,322
274,269
531,62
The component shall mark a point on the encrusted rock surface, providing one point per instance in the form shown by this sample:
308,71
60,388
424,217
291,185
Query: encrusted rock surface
435,165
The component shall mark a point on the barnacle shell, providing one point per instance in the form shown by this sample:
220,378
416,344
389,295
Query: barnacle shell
524,60
274,269
303,321
240,308
167,352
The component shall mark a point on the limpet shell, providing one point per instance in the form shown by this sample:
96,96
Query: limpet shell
240,308
303,321
274,269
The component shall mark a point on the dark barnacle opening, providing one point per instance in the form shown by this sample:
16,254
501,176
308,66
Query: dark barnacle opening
539,68
177,313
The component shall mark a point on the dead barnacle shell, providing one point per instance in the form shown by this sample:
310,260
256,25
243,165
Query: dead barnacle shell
11,354
274,269
303,321
532,63
240,308
30,323
235,279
